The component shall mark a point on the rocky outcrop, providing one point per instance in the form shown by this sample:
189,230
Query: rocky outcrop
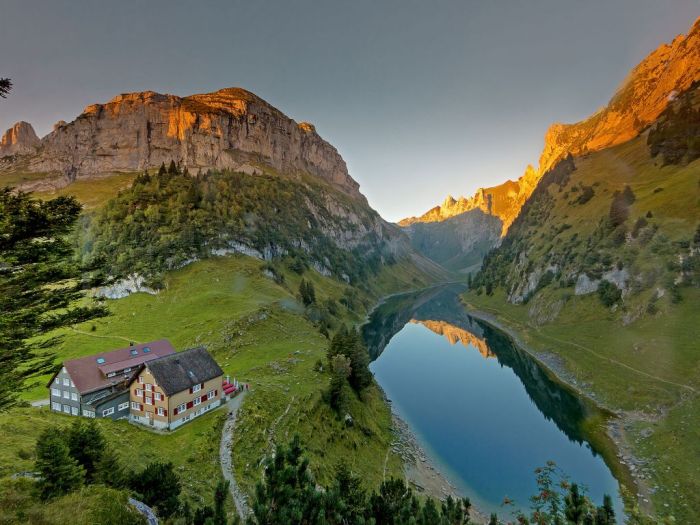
228,129
20,139
644,95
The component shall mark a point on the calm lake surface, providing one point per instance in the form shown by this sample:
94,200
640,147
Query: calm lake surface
484,411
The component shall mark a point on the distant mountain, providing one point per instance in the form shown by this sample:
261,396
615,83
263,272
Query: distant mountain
643,96
242,178
229,129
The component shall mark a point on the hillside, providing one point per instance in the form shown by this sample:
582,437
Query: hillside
641,99
236,163
600,274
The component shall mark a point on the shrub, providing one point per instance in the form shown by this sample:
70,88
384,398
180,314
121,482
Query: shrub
608,293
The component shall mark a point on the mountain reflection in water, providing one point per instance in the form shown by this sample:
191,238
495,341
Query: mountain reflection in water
490,419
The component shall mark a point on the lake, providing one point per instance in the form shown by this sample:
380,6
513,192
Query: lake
484,411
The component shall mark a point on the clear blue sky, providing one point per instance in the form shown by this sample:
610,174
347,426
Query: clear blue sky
421,98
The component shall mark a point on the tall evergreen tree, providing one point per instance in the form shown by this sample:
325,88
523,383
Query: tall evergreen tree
59,472
39,286
86,445
158,486
110,471
5,87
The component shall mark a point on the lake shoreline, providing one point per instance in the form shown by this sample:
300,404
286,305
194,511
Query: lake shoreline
617,423
420,471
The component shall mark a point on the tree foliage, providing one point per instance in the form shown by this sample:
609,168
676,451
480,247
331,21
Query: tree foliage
166,219
86,445
348,342
5,87
158,486
59,473
39,285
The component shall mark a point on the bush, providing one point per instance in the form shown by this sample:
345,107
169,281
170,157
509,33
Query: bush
608,293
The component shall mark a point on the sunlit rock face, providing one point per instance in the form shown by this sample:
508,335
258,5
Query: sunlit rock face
456,335
646,92
229,129
20,139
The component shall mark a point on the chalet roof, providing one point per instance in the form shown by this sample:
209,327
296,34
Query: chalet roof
90,373
177,372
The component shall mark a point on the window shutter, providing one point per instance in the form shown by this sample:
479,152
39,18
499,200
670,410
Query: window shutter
190,404
165,412
201,385
216,393
190,390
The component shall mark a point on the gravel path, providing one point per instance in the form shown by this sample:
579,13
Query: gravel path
145,510
226,459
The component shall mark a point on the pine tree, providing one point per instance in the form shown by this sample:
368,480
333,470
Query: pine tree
110,471
5,87
220,496
59,472
340,370
172,168
493,520
86,445
575,505
159,487
40,285
162,171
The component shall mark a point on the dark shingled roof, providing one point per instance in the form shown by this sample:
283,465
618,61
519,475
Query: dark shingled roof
177,372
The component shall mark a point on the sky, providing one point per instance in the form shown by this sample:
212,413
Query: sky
421,98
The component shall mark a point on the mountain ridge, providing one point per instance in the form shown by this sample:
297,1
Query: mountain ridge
231,128
643,95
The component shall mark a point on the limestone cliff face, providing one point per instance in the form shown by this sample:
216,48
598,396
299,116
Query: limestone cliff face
649,88
20,139
229,129
503,201
668,71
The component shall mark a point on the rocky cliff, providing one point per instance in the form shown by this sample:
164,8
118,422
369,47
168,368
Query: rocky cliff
646,92
228,129
20,139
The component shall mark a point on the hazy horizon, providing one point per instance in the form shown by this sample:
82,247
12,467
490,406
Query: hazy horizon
420,102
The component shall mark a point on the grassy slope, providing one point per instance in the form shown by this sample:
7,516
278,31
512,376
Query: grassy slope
257,332
650,368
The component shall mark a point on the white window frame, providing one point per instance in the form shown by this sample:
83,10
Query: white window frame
157,396
108,412
66,381
148,400
123,406
181,408
111,374
66,394
56,406
140,380
210,394
72,384
196,388
74,411
56,392
127,370
66,409
197,401
88,413
139,392
135,406
149,387
161,412
74,396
